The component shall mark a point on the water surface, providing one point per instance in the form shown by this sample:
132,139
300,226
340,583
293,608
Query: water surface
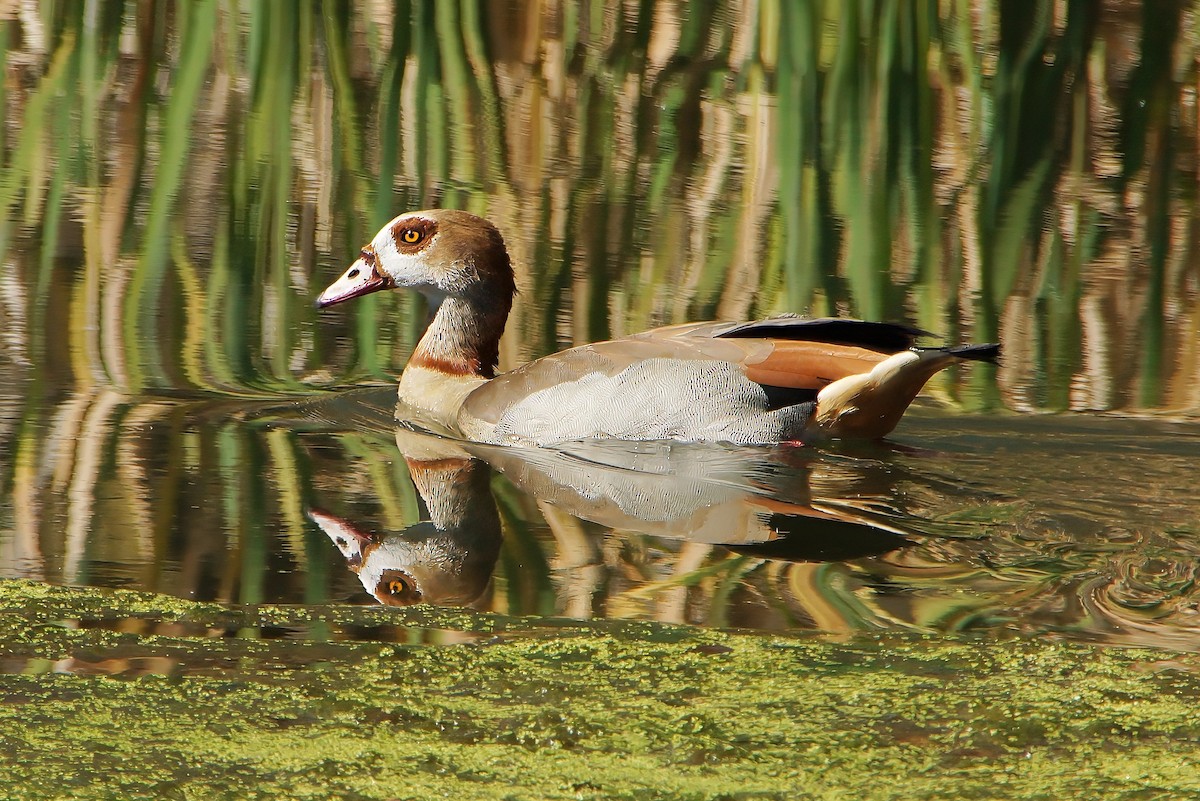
1081,526
179,184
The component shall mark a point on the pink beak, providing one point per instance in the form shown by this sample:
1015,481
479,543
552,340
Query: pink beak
360,279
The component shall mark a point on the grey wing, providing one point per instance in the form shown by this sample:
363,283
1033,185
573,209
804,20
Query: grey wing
627,389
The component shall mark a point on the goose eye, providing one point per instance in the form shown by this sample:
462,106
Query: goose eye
411,236
397,588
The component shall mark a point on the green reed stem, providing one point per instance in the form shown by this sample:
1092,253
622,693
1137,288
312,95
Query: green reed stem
197,25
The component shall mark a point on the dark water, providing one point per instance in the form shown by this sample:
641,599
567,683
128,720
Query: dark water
179,185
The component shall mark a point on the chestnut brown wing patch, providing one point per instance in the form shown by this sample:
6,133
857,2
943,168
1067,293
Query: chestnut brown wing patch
809,365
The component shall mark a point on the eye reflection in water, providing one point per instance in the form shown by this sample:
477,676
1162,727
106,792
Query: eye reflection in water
715,495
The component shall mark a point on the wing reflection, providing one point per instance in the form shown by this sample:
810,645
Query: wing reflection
712,494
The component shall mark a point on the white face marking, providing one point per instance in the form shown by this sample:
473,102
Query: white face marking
414,270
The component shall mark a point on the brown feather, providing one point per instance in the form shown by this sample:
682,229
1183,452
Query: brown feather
810,365
453,366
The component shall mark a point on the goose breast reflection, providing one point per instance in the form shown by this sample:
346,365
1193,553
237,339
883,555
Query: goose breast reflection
715,495
762,382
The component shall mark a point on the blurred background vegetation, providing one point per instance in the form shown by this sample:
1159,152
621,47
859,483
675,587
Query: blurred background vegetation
180,180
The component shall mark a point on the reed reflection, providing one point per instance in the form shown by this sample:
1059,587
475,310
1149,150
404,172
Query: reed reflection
178,178
206,500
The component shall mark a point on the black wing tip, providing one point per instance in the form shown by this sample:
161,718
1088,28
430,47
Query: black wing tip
893,337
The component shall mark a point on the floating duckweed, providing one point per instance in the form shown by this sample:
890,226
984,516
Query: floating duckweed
585,711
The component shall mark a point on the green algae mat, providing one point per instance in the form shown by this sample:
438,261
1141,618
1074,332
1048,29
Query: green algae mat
127,695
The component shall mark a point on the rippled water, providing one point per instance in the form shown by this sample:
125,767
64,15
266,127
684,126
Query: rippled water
176,416
1085,526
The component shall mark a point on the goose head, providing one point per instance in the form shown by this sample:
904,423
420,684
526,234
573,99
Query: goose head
440,253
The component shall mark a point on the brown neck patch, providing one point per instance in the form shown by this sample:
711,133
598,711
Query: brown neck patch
468,365
464,336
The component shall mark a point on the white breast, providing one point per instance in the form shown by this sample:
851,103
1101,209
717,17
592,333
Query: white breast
436,393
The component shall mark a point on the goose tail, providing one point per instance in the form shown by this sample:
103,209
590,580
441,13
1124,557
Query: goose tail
870,404
977,353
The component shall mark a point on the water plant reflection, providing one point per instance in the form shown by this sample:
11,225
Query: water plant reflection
1021,172
1084,527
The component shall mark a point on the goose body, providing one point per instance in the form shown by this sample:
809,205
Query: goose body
752,383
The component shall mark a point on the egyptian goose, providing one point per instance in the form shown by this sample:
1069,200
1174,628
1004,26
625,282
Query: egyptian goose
782,379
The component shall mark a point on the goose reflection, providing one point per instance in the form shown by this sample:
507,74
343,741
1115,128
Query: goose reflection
447,559
804,507
786,505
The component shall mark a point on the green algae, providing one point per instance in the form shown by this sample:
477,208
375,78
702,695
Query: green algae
567,710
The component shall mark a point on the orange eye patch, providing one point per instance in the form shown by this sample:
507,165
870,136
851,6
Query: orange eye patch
413,231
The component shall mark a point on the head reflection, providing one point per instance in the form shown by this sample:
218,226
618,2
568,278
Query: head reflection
446,560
